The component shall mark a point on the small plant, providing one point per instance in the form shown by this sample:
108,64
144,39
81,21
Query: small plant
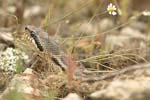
51,95
14,95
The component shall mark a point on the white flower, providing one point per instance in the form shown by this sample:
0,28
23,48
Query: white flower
146,13
112,10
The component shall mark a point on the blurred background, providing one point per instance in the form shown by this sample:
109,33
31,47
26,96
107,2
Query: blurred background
86,28
104,35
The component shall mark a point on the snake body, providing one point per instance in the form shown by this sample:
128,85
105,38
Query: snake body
47,43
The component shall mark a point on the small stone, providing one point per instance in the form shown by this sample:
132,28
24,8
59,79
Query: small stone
132,33
106,24
72,96
32,11
2,46
141,26
28,71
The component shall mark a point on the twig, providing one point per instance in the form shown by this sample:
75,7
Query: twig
116,73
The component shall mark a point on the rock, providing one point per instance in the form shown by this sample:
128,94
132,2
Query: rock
26,85
132,33
127,36
6,36
114,41
33,11
11,9
87,28
106,24
140,26
124,90
2,46
72,96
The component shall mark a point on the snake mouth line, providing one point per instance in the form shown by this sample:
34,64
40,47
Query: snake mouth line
34,39
37,43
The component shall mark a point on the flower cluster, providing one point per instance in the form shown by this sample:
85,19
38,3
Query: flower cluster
10,58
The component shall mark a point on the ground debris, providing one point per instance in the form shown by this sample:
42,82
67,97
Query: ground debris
72,96
27,85
124,90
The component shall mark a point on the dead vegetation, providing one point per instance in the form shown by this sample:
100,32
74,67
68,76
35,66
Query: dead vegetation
106,45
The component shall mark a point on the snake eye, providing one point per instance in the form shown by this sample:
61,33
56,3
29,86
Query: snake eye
32,33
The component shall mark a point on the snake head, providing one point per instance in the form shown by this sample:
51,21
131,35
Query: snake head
31,30
33,33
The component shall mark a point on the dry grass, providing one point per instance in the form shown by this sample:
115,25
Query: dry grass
90,47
